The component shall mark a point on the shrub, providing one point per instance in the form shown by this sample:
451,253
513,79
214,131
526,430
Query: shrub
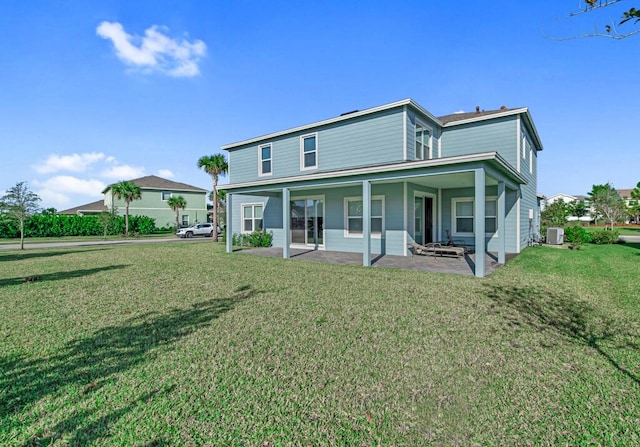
258,238
604,237
576,236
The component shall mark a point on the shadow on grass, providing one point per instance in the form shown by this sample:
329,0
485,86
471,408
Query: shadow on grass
31,254
83,366
634,245
57,276
566,317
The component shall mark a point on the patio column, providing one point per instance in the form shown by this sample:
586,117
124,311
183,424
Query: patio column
366,223
501,218
229,229
286,221
479,214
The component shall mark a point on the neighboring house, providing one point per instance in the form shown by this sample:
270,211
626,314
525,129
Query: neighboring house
155,191
625,194
372,181
568,198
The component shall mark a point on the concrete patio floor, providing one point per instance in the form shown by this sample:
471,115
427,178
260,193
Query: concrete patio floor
440,264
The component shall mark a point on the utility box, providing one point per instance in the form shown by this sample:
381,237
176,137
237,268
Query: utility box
555,236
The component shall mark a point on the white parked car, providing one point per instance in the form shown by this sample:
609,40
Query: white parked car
201,229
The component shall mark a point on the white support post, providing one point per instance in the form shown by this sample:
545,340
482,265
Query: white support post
479,216
501,224
229,229
366,223
286,219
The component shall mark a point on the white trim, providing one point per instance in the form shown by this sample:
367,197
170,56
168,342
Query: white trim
253,216
346,217
405,218
440,144
261,160
405,118
402,166
518,223
302,153
439,238
429,156
454,200
530,161
487,117
518,143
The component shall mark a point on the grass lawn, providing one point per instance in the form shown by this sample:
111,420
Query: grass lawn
182,344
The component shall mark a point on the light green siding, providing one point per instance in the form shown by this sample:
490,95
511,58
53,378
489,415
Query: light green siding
498,135
151,204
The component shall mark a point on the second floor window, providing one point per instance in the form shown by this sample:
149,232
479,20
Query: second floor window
265,159
423,142
309,151
166,195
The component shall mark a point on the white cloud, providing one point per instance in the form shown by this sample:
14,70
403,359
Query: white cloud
155,51
123,172
67,184
52,199
73,162
165,173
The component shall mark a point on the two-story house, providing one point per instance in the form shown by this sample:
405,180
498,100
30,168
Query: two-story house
154,193
372,181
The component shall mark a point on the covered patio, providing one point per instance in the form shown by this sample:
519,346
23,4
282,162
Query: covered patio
439,264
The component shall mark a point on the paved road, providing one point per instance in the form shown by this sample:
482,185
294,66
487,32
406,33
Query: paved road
631,238
89,243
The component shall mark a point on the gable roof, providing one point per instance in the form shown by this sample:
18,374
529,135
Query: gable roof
155,182
625,193
94,207
444,121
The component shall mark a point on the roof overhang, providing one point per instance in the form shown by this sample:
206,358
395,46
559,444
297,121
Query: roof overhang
496,166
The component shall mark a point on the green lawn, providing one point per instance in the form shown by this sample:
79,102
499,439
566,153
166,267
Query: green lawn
629,230
41,240
182,344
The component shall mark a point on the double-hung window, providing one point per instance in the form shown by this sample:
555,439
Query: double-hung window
251,218
423,142
309,151
185,220
464,219
353,216
264,164
166,195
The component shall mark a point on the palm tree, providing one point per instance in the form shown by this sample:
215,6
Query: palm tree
214,165
177,203
128,191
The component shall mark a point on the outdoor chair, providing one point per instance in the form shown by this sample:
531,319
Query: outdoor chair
456,243
435,249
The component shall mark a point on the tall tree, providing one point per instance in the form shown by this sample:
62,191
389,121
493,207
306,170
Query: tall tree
128,191
554,214
18,204
577,208
635,202
216,166
177,203
606,203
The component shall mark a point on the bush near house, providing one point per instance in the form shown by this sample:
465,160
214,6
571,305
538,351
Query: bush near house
604,237
576,236
258,238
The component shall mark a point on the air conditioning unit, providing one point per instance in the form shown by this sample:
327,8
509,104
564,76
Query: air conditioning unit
555,236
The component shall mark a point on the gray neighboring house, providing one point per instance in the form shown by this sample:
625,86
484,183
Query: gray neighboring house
155,191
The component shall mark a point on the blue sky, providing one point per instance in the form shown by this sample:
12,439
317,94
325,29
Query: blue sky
96,92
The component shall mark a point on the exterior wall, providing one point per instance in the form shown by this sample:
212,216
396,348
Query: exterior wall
151,204
498,135
529,228
368,140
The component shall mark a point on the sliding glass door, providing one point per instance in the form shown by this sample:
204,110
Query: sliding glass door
307,221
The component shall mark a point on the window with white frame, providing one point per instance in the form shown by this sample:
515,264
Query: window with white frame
166,195
264,164
353,212
185,220
251,217
464,219
309,151
524,144
423,142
